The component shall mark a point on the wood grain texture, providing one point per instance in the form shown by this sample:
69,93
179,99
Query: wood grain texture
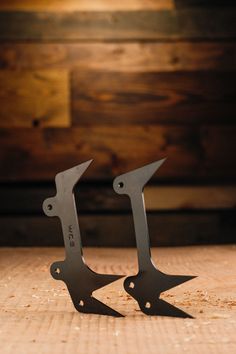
37,309
195,153
180,97
118,25
84,5
122,57
34,98
117,230
100,198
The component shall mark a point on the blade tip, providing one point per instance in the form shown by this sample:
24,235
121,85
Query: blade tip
160,162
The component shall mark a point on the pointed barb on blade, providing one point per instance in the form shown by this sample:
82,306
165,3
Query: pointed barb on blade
72,175
136,179
163,308
92,305
148,171
171,281
101,280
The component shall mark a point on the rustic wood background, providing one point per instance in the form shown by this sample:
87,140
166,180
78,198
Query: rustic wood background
125,83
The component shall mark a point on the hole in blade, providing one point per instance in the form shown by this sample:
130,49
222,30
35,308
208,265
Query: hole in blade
148,305
81,303
131,285
57,270
120,184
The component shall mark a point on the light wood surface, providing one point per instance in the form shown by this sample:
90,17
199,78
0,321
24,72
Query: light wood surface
37,315
39,97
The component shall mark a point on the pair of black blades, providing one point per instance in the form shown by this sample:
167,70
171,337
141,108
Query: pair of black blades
81,281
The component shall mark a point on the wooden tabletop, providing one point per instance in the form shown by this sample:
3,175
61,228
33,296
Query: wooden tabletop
37,315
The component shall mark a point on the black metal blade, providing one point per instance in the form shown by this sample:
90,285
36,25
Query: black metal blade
81,281
149,283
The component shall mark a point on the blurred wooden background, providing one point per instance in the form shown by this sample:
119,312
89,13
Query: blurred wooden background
125,83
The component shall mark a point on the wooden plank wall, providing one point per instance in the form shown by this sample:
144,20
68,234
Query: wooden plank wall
124,83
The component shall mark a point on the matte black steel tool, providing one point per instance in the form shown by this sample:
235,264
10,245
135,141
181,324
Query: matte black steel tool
81,281
149,283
